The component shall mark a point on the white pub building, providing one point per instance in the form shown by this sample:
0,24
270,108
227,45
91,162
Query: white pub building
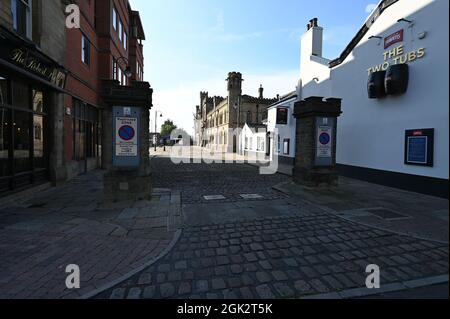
393,79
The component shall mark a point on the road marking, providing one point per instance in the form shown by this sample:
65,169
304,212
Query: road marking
214,197
251,196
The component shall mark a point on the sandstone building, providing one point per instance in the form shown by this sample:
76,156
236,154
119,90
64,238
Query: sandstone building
218,117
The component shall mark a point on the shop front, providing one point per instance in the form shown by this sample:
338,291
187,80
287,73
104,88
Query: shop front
30,90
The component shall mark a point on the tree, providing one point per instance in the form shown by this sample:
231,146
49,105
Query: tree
167,128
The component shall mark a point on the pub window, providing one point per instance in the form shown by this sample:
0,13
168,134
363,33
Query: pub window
125,39
21,17
114,69
85,50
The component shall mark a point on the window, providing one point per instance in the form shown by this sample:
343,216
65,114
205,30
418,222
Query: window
282,116
87,128
85,50
286,146
114,69
249,117
260,144
114,19
120,31
125,39
21,16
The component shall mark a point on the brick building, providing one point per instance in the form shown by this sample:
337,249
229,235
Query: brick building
108,46
58,86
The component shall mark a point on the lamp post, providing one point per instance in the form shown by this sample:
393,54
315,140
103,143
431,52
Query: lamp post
128,73
156,126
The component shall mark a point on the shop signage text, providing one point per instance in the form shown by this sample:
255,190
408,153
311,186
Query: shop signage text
393,39
397,56
29,62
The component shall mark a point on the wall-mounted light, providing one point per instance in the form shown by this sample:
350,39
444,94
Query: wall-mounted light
316,79
422,35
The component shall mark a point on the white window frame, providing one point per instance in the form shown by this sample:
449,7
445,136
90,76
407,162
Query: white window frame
85,42
120,30
115,16
29,17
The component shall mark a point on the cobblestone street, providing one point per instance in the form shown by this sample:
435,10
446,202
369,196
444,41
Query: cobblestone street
269,245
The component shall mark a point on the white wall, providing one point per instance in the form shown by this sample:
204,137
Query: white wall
284,131
371,133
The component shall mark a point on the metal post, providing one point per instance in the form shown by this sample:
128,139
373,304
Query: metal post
155,140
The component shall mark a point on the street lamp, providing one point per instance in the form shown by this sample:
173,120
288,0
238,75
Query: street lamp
156,126
128,73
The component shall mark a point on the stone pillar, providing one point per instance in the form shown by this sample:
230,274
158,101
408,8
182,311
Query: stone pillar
315,163
126,157
123,182
58,173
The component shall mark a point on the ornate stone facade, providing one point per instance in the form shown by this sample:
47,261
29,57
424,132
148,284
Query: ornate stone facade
218,117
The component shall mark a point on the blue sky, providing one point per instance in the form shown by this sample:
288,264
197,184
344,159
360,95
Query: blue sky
192,45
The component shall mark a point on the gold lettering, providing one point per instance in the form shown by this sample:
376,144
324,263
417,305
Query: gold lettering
412,56
420,53
392,53
385,66
396,60
400,50
403,59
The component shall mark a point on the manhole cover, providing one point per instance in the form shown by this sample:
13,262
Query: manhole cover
387,214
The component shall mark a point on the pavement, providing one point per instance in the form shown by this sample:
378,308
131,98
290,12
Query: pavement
243,238
43,232
243,235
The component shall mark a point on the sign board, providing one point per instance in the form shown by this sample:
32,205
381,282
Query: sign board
324,141
282,116
419,147
126,136
393,38
126,123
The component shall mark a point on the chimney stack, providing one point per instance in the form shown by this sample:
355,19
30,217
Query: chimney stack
312,39
261,92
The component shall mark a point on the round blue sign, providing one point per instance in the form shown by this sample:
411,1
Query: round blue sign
126,133
324,138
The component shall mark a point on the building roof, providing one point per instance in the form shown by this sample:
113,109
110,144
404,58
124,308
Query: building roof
287,97
382,6
252,99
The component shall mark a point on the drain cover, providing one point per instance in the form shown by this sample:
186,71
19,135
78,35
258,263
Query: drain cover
387,214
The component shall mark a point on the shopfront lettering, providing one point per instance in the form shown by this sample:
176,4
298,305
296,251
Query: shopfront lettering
397,56
25,60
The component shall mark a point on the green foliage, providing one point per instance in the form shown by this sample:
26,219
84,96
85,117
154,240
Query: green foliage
167,128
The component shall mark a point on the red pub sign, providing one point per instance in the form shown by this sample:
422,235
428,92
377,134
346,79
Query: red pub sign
393,38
